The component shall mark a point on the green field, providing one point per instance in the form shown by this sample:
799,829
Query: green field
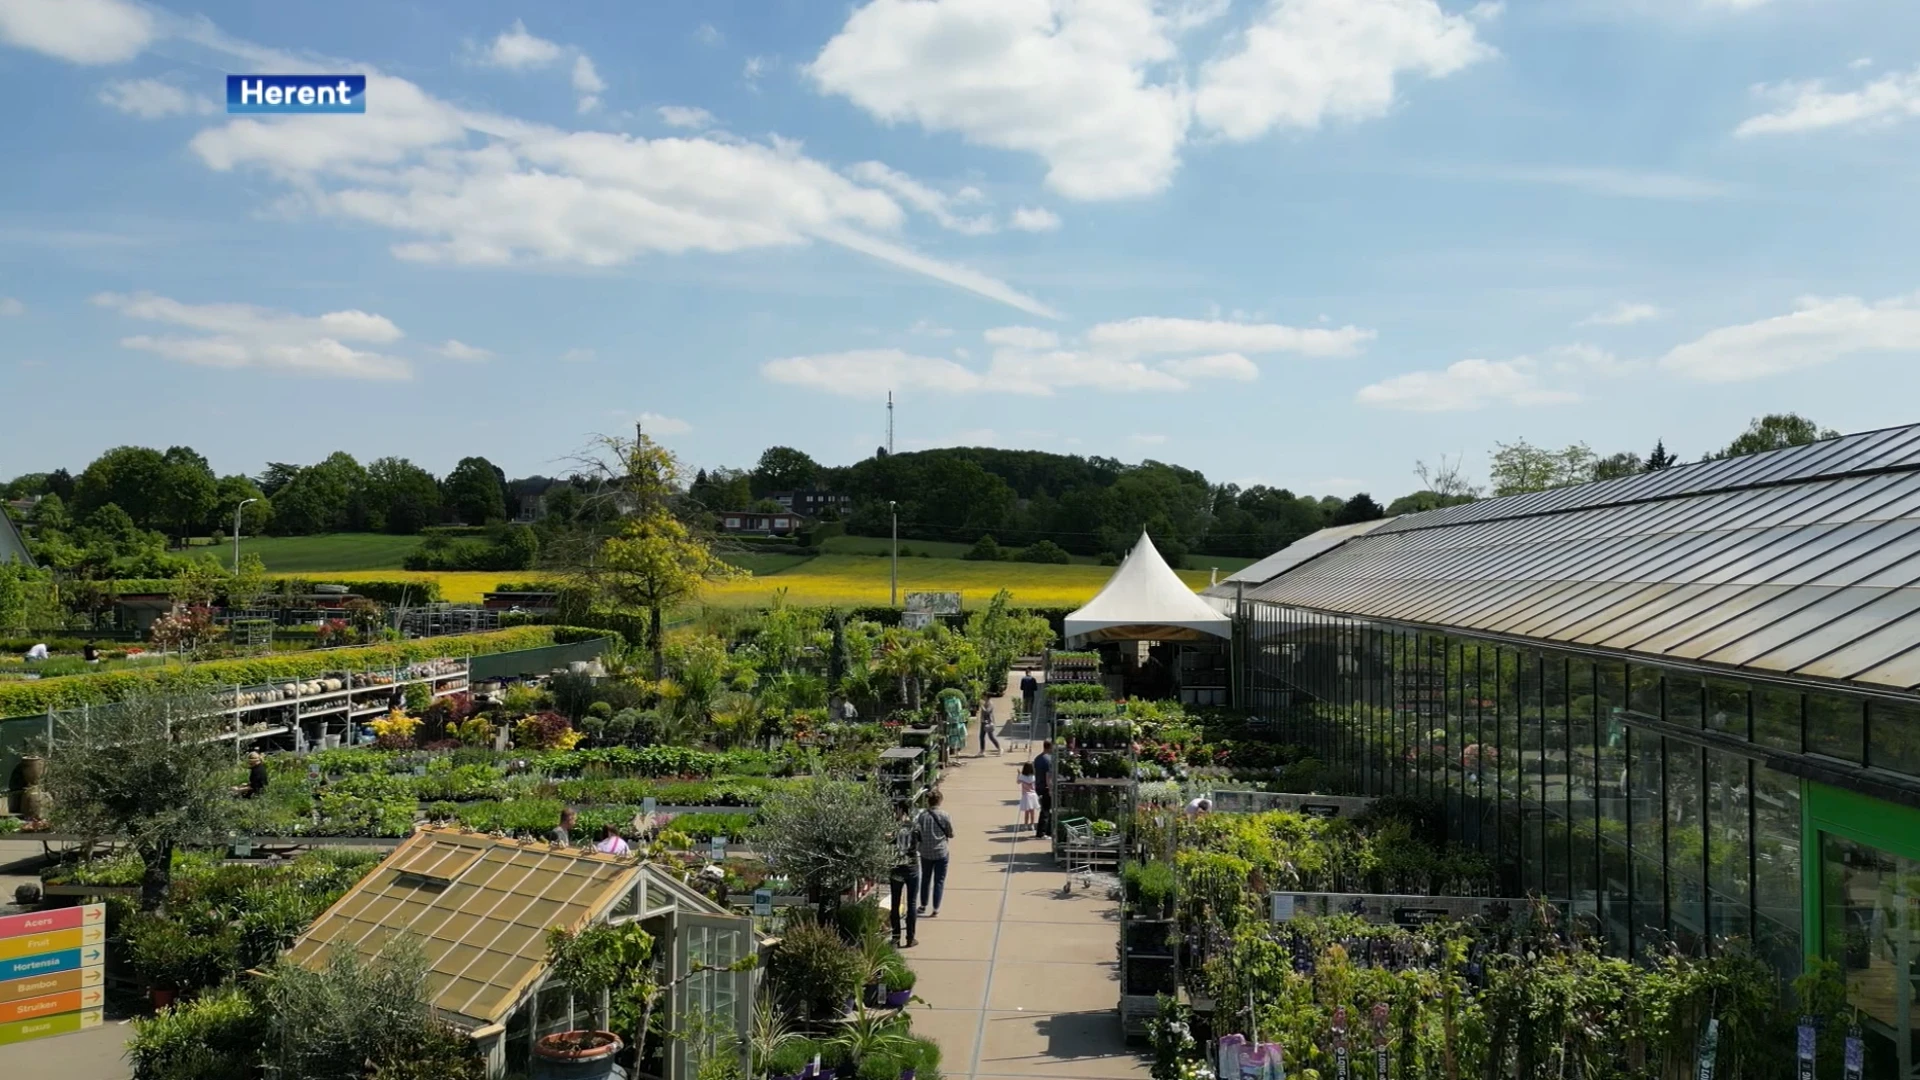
878,545
330,552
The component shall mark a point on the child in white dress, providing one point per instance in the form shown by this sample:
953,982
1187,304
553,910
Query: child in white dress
1029,798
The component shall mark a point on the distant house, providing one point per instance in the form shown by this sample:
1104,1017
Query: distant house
753,522
813,503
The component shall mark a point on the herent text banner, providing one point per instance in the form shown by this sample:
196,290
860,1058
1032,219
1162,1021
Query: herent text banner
296,93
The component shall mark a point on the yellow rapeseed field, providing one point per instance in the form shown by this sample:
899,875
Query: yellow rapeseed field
846,580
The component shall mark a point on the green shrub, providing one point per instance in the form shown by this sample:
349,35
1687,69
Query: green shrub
814,973
1063,692
1044,551
985,549
216,1036
169,954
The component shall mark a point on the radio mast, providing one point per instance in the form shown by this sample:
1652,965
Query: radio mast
889,423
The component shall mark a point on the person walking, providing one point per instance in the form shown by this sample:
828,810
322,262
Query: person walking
903,881
1029,686
935,828
1029,799
1043,787
986,727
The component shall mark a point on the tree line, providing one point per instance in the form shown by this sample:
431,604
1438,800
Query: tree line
131,501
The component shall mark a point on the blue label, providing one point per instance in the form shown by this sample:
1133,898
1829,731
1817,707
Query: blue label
296,93
42,963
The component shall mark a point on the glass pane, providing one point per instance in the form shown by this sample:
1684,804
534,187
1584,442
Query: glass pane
1646,834
1776,868
1776,719
1727,708
1686,854
1895,736
1869,898
1836,726
1611,788
1684,704
1729,866
1582,758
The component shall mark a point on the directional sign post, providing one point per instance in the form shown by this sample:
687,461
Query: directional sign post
52,965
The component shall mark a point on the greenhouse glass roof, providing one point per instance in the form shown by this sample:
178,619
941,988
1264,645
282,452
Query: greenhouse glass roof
479,905
1799,562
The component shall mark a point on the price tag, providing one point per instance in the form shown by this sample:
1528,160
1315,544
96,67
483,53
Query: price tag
763,901
1709,1049
718,850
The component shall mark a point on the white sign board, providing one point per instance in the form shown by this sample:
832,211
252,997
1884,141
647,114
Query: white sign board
937,603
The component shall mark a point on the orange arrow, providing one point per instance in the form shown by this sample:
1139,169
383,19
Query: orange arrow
93,913
90,997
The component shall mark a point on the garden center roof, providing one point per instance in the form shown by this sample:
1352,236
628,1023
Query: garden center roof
1307,547
480,906
1797,562
1145,600
12,547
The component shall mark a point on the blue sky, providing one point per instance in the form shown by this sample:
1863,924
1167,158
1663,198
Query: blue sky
1297,242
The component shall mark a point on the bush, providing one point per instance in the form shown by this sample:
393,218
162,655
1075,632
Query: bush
170,955
545,731
506,547
814,973
213,1037
1044,551
985,549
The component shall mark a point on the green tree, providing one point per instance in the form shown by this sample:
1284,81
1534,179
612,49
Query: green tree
654,565
148,770
826,836
1358,509
1660,460
327,497
1044,551
1615,466
1519,467
188,492
1775,431
985,549
229,494
782,468
134,478
476,491
357,1018
722,489
402,498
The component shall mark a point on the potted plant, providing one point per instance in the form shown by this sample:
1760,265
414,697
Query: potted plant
900,981
567,1055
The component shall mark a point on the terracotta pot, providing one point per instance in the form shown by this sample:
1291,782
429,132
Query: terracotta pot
161,997
576,1055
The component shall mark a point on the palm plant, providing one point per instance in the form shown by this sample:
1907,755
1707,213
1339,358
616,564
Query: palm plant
865,1034
768,1033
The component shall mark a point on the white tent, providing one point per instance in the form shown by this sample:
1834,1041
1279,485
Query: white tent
1145,600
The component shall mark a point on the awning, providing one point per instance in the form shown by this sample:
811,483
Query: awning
1145,600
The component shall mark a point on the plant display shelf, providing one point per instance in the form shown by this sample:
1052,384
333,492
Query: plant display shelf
904,775
1138,959
1248,801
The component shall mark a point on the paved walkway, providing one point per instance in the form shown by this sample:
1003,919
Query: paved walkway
1019,981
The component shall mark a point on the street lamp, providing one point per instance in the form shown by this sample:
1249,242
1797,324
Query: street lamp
893,569
236,532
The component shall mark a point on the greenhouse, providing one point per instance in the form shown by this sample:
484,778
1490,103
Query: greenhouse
1681,704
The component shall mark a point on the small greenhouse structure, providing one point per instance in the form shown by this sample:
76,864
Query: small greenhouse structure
481,906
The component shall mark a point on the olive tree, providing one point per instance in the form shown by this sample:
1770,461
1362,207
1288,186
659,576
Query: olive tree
826,836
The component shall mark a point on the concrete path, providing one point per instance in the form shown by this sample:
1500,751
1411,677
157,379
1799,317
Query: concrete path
1019,981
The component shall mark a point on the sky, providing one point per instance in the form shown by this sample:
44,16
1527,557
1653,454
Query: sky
1304,243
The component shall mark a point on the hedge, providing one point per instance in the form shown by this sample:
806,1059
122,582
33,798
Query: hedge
30,698
426,591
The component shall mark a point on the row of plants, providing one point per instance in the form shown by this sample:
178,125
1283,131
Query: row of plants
41,695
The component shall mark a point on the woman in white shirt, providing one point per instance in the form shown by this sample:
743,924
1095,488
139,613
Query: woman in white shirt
611,843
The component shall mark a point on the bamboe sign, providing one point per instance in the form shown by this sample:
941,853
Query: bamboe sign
1806,1048
1709,1049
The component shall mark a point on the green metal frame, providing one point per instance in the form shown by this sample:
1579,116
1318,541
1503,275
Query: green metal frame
1825,809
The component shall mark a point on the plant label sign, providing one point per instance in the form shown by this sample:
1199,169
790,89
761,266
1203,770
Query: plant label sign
1282,907
1319,810
648,805
717,851
763,901
1709,1049
1340,1043
1380,1039
1856,1055
1805,1046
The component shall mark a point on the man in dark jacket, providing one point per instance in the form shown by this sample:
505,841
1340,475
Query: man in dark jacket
1043,786
1029,686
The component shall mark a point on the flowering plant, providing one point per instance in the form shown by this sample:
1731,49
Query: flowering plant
546,731
395,730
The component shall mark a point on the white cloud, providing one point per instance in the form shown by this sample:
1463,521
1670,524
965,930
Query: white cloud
1594,180
871,373
1304,62
1218,366
755,67
1022,337
1465,384
11,308
577,356
685,116
517,50
1167,336
1818,331
708,34
1862,63
1622,314
460,350
152,99
1099,91
656,424
1810,106
1147,440
929,329
1035,219
80,31
587,83
242,336
476,188
934,204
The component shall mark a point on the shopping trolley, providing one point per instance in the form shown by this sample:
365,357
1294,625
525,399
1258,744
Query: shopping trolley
1085,855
